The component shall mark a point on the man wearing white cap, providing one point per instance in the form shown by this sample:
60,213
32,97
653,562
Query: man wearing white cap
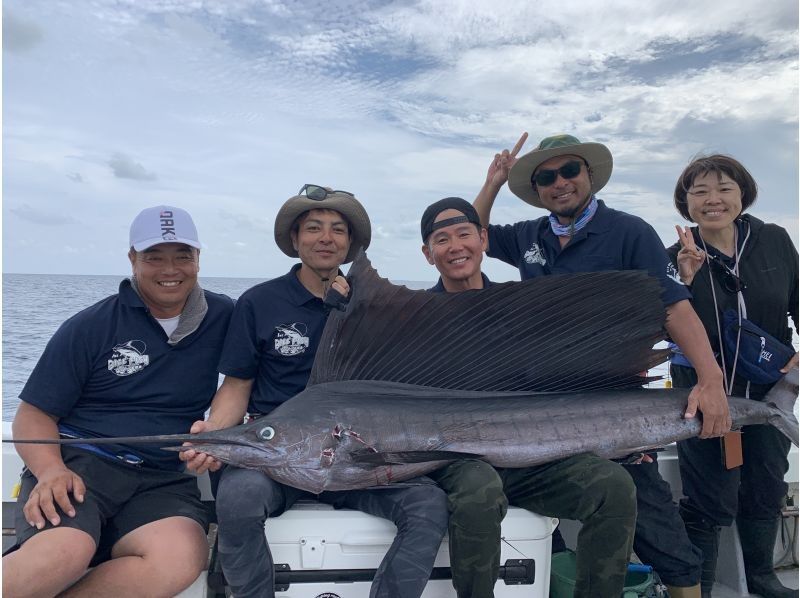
267,358
582,234
119,368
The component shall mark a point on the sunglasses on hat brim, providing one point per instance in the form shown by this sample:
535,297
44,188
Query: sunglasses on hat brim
318,192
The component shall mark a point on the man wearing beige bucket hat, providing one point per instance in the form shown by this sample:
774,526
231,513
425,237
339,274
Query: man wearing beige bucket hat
582,234
266,359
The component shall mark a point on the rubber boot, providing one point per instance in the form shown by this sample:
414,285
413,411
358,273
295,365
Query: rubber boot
684,592
758,544
705,536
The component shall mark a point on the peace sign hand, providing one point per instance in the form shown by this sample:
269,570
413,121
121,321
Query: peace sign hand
497,174
690,257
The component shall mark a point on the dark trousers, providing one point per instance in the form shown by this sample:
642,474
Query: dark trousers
661,539
755,490
245,498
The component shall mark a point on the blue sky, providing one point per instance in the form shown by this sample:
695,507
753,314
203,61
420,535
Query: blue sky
226,108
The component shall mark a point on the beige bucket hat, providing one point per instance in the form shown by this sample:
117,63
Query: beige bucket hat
316,197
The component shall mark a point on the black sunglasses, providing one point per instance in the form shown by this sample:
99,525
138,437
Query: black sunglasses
730,281
545,178
318,193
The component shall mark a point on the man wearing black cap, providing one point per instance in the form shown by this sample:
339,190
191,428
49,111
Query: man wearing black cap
267,358
582,234
595,491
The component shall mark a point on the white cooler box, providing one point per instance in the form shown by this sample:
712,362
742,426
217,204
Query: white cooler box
338,551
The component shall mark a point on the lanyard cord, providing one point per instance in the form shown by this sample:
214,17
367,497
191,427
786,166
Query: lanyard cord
741,308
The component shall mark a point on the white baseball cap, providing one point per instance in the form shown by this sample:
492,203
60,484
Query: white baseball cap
163,224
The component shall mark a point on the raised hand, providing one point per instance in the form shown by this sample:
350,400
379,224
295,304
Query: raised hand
498,171
690,257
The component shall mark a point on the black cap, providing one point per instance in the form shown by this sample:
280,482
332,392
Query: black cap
427,225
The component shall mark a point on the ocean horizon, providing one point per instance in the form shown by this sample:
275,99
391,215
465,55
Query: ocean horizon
35,305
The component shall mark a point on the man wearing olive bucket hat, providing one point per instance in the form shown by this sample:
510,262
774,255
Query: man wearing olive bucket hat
267,357
582,234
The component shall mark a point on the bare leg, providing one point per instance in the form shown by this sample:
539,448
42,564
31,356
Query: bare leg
47,563
159,559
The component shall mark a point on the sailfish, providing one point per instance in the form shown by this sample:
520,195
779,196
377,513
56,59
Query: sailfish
517,374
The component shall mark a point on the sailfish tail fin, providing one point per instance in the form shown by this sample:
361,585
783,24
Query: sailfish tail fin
585,331
783,397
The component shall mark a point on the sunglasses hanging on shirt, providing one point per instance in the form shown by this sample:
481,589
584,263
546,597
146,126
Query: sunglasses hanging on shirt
731,282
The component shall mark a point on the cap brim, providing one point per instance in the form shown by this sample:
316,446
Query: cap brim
596,155
348,206
148,243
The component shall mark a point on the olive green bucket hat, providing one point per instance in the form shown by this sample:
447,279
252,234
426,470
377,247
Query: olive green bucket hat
323,198
596,155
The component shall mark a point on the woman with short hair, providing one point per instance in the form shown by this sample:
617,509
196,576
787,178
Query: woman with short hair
734,262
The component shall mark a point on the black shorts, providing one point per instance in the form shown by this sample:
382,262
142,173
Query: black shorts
119,499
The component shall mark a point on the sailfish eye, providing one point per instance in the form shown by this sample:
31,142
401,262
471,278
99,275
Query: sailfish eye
266,433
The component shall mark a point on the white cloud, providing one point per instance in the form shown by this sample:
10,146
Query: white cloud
227,108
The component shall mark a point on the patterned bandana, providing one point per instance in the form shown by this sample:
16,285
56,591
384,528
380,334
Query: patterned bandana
567,230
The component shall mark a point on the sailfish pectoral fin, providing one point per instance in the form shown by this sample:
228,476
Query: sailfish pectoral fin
403,457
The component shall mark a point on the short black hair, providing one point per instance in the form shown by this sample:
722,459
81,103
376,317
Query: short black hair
455,203
720,164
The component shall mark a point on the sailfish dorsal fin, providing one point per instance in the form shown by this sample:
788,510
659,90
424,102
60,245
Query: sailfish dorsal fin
585,331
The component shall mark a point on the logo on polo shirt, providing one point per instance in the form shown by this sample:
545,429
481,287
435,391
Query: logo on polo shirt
291,339
672,273
534,255
128,358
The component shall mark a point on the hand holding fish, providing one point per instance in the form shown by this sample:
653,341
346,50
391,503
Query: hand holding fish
690,257
336,295
791,365
341,286
198,462
497,174
713,404
52,490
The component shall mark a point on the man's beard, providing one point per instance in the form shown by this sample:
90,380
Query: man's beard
571,213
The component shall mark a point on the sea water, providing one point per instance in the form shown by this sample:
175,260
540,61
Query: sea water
35,305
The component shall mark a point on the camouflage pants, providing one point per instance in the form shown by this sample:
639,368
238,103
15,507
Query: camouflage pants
596,492
477,506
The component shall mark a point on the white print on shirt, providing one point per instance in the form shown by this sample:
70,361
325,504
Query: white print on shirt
128,358
534,255
291,339
672,273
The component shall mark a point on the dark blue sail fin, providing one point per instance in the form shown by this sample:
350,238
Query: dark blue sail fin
560,333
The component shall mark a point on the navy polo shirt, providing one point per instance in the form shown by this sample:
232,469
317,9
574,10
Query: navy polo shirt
109,371
611,240
273,337
439,286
